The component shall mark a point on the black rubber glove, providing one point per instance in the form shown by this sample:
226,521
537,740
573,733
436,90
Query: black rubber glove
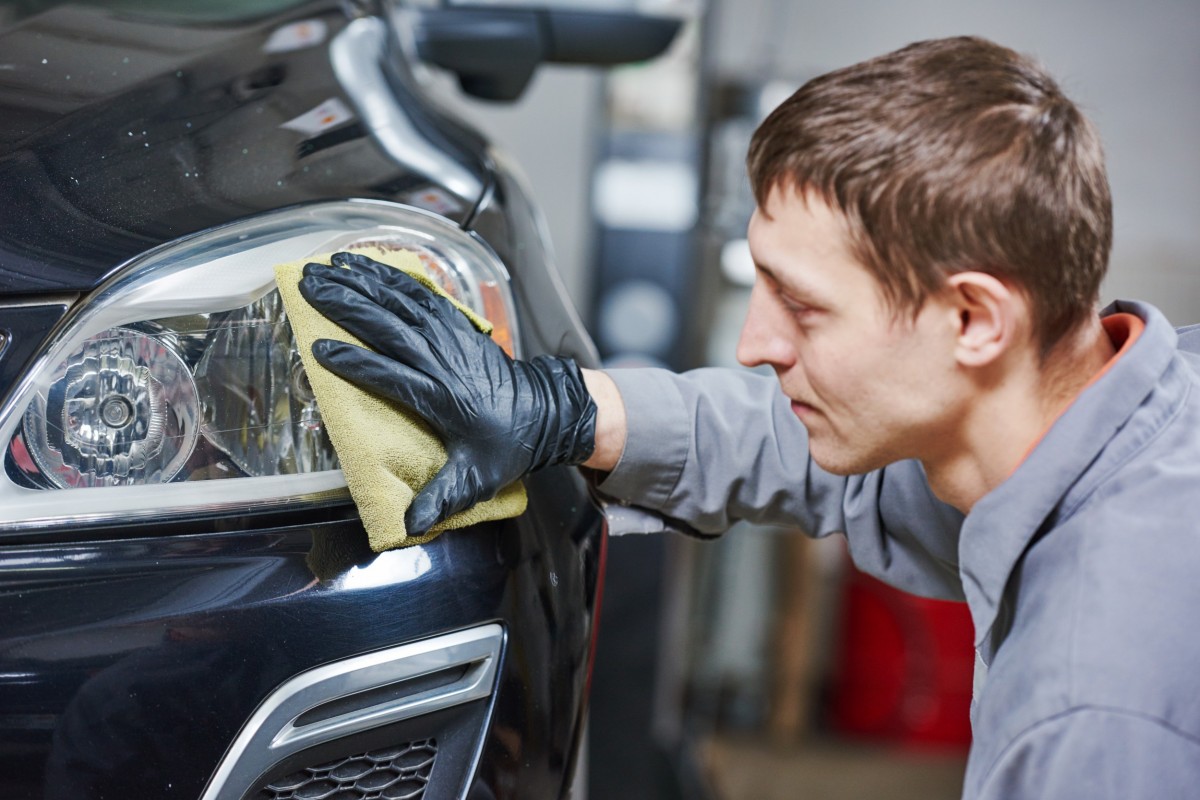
498,418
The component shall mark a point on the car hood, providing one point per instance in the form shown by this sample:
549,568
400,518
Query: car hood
123,130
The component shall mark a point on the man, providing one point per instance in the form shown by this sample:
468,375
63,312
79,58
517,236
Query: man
932,229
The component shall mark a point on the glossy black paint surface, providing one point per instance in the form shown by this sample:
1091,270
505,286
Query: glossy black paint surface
131,656
127,665
119,132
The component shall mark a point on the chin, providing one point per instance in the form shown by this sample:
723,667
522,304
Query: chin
837,466
843,461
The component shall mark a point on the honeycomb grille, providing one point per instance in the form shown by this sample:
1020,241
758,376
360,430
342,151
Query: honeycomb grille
394,773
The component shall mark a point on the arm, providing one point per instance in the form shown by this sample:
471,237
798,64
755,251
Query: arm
708,448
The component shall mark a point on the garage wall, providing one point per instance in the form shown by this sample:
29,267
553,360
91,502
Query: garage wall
1134,67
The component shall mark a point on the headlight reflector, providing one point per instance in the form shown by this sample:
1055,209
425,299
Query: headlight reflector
124,410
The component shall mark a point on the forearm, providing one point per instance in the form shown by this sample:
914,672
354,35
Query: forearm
711,447
610,421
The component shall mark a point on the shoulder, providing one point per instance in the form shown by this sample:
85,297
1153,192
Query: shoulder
1105,608
1122,593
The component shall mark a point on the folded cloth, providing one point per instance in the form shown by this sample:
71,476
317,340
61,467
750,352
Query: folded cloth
387,452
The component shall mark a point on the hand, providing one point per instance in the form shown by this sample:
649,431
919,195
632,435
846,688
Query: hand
499,418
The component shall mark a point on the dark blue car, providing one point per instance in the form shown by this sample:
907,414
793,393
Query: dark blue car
188,604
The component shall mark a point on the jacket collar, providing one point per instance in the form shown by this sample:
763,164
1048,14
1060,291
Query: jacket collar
1066,463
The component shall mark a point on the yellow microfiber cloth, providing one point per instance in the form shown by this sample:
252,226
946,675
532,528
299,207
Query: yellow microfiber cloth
386,452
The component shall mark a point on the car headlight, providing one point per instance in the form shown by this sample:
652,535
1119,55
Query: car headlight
181,370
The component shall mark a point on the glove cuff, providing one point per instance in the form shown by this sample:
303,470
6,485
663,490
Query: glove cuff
570,433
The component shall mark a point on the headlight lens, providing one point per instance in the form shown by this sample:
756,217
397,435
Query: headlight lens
183,369
122,409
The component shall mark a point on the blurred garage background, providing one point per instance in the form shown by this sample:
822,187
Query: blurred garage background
762,666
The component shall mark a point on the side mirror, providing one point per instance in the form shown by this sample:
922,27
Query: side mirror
495,50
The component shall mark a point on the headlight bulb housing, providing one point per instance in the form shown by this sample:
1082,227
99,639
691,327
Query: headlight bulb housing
124,410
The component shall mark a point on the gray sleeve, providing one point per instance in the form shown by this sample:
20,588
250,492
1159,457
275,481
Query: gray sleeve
714,446
1094,754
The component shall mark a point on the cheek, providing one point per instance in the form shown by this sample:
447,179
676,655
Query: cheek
867,386
898,385
836,371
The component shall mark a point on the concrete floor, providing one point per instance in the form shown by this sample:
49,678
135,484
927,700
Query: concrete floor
823,769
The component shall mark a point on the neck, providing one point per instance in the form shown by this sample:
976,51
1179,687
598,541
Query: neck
1009,412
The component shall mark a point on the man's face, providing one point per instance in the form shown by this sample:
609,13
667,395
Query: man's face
871,386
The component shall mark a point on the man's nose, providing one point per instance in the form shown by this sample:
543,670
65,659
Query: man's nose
760,341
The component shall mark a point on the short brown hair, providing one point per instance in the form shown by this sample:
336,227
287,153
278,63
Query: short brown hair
951,155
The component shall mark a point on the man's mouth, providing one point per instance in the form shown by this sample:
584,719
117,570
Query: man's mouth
802,410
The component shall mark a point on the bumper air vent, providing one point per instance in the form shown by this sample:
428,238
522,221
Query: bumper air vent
433,696
393,773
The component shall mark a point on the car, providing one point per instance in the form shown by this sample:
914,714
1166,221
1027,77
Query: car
188,604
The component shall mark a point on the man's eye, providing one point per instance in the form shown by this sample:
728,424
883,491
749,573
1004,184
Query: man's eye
795,307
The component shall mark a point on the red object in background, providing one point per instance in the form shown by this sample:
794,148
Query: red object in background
903,666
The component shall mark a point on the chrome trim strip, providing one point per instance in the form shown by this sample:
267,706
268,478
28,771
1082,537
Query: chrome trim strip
272,734
335,494
356,53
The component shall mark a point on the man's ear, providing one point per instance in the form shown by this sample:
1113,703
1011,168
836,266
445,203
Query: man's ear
989,314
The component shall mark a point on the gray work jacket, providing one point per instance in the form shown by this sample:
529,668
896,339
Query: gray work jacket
1082,570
